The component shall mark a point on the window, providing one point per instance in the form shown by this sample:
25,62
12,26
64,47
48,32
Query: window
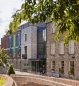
71,47
44,35
53,65
71,67
61,69
19,39
25,37
52,47
24,56
25,52
52,28
61,48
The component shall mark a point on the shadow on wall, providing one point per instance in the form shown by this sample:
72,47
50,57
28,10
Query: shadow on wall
33,84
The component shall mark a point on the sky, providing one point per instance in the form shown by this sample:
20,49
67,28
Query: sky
7,9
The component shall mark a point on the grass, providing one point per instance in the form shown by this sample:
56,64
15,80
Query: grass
2,80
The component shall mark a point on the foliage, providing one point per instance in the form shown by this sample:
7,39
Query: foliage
3,57
11,70
2,81
65,13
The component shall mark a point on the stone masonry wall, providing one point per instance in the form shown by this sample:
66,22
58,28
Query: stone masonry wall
37,80
66,57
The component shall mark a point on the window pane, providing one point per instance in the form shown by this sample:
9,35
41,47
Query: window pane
53,65
61,48
25,37
52,46
72,67
71,47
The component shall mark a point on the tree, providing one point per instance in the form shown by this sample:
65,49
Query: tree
65,13
3,57
10,70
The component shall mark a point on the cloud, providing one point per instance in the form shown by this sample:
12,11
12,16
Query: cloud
1,21
7,9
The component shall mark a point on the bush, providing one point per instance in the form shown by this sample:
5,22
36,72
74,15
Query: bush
11,70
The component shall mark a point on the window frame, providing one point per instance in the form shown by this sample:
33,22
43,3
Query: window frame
71,42
54,48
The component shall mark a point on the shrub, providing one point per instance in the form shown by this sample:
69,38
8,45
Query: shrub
11,70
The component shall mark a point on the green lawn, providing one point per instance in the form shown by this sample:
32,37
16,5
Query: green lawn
2,81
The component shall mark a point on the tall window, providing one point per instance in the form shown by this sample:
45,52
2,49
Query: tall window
52,47
44,35
61,69
14,45
53,65
25,37
71,47
25,56
72,67
61,48
41,42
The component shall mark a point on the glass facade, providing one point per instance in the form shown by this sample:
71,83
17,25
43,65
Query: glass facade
19,44
41,42
15,45
10,45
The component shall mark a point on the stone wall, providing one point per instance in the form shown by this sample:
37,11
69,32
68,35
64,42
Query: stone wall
9,81
38,80
20,64
57,57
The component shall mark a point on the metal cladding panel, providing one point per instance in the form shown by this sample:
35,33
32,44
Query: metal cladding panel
19,51
14,45
10,41
19,39
10,44
19,43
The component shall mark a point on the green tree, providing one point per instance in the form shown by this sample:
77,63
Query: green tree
3,57
11,70
65,13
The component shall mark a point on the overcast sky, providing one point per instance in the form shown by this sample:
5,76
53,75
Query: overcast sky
7,8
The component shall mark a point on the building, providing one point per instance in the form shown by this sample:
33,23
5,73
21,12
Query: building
28,41
62,60
11,44
5,43
40,61
27,46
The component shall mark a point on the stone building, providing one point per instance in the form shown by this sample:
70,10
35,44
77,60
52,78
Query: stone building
28,41
5,43
62,60
27,46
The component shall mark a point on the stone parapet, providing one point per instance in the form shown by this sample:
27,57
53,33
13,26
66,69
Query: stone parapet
38,80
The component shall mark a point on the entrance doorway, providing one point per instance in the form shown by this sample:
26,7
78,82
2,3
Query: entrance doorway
38,66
